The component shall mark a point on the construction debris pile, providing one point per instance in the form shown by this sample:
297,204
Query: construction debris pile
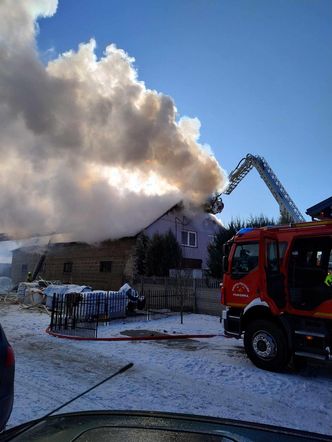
42,294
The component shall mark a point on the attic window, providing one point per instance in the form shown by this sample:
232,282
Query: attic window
67,267
188,238
105,266
24,268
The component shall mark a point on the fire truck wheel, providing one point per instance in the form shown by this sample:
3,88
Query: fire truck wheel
266,345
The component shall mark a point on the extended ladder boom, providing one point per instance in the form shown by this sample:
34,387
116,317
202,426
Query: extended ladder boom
286,204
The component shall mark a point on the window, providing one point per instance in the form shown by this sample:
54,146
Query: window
311,254
67,267
105,266
282,250
307,270
272,252
309,261
24,268
245,258
188,238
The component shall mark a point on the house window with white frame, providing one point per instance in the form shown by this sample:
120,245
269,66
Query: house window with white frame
188,238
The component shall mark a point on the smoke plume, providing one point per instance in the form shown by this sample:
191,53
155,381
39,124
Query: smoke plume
86,148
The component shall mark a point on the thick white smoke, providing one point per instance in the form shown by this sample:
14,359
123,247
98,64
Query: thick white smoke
86,148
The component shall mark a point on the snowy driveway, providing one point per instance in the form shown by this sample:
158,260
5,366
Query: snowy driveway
207,376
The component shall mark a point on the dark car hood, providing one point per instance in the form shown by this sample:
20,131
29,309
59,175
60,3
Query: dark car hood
149,426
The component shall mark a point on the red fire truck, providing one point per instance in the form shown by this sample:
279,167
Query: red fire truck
277,294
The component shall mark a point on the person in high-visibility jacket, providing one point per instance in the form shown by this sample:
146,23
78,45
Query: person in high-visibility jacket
328,279
29,277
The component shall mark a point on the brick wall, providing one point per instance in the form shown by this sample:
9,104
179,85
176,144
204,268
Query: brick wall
85,263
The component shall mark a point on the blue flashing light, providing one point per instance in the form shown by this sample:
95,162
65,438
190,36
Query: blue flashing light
245,230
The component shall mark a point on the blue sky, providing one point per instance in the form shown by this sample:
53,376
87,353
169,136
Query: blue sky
258,75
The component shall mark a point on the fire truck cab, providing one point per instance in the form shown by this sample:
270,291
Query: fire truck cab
277,292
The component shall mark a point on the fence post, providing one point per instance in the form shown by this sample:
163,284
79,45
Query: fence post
142,285
147,306
61,309
98,305
182,306
166,293
194,290
53,309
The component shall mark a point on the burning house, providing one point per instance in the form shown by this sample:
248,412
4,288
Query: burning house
111,263
99,155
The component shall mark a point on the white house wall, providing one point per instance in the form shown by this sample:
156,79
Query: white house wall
205,226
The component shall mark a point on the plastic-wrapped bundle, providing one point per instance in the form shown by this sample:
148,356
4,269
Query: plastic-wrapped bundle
62,290
29,293
134,299
118,303
103,305
91,305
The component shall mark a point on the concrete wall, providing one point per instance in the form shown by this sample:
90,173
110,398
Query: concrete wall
24,260
207,300
5,269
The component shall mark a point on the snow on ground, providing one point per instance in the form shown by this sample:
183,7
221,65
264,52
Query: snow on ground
202,376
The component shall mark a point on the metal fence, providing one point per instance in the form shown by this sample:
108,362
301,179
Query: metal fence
171,300
178,282
75,314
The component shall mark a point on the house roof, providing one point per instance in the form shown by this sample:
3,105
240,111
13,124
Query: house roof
176,206
321,210
4,237
28,249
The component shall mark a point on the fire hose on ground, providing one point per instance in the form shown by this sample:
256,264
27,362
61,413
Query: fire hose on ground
136,338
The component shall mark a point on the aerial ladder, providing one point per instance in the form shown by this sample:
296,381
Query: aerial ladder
286,204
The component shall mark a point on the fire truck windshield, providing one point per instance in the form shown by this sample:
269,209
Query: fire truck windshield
245,258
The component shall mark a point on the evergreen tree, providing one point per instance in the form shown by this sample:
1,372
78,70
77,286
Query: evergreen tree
215,251
153,257
285,218
235,225
259,221
172,252
142,245
163,253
